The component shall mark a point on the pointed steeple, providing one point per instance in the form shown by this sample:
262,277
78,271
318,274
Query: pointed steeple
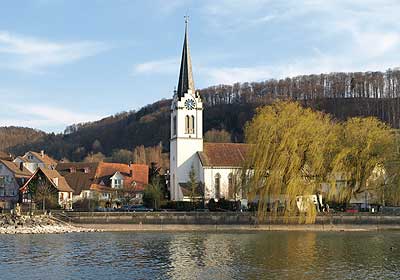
185,75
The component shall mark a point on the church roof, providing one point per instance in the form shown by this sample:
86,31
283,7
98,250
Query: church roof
186,81
224,154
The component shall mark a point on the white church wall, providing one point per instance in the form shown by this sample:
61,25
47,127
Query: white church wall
209,181
182,161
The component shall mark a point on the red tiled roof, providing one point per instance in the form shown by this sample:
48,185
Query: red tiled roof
224,154
78,180
99,174
140,173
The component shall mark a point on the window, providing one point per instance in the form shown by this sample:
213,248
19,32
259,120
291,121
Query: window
192,124
174,126
187,125
217,186
117,183
7,180
231,186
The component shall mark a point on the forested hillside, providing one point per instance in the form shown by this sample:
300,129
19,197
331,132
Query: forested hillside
13,136
227,107
341,94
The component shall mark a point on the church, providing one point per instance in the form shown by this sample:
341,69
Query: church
216,165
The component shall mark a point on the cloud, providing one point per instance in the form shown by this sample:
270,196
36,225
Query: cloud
169,6
162,66
43,116
325,36
35,55
230,75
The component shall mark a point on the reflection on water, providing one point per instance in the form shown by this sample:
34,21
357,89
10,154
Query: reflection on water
267,255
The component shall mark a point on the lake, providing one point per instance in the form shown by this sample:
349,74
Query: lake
202,255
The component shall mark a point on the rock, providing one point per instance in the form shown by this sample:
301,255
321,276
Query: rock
35,225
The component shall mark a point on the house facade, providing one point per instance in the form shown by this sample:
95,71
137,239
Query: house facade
106,182
12,177
52,183
34,160
216,165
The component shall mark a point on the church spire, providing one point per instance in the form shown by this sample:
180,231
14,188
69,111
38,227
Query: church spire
185,82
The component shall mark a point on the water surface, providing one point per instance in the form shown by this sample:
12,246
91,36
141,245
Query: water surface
265,255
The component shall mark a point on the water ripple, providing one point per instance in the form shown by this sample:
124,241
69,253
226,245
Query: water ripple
268,255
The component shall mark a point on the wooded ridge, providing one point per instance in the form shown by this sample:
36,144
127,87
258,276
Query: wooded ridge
227,107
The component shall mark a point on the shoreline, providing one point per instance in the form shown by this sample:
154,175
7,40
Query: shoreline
41,224
235,228
45,229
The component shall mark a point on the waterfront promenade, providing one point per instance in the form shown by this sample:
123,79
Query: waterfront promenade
225,221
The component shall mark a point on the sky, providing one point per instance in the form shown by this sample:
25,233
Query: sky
71,61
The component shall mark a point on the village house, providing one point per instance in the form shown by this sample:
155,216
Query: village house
12,176
51,183
107,182
33,160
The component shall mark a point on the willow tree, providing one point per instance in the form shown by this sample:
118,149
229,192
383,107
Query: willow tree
291,156
365,160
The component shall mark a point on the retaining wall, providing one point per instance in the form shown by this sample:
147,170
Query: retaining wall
219,218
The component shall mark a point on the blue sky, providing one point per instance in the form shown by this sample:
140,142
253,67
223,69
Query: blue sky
69,61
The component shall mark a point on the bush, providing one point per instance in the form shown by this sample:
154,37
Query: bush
85,204
182,205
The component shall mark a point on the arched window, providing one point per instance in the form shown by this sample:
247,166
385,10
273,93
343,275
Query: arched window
231,186
187,124
217,186
192,124
174,126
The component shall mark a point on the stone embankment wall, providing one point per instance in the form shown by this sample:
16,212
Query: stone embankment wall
221,218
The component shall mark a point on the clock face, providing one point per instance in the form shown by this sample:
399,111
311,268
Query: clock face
190,104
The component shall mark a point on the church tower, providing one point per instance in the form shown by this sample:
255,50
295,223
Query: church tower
186,125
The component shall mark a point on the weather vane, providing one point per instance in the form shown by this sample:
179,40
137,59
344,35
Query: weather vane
186,19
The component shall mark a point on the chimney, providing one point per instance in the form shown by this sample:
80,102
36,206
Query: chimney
130,163
42,153
21,166
55,180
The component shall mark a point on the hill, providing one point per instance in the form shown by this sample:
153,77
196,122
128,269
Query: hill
14,136
227,107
